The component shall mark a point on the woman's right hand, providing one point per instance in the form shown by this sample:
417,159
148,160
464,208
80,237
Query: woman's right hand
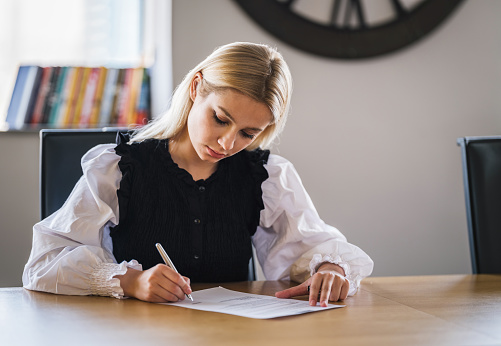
159,284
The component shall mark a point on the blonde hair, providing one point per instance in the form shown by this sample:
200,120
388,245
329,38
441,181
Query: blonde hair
255,70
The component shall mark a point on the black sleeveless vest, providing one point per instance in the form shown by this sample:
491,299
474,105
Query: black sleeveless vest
205,226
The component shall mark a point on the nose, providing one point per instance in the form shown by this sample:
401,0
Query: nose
227,140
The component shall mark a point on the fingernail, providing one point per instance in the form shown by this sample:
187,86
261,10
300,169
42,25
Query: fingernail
323,303
313,303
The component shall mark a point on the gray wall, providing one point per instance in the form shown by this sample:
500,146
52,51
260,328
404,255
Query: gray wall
374,140
19,204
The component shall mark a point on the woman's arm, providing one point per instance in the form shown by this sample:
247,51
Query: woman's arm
72,250
293,242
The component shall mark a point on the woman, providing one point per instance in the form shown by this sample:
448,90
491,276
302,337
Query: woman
198,181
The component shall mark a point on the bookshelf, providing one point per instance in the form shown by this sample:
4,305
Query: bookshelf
78,97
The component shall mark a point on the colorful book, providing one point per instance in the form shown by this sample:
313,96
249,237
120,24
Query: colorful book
57,96
124,96
72,101
108,97
80,97
115,108
98,97
36,118
143,112
137,78
65,97
50,97
89,95
23,96
34,95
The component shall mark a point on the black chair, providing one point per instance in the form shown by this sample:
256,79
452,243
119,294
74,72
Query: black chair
60,169
481,158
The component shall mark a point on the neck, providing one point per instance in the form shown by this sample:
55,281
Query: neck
185,156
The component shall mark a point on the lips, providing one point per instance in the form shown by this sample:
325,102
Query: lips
215,154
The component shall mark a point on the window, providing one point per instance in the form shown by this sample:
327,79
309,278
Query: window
111,33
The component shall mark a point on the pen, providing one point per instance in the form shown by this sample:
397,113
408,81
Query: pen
167,261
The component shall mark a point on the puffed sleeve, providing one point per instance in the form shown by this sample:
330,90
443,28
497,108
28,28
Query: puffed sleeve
292,240
72,249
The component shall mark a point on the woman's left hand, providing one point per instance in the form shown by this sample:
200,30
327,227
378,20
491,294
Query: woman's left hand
328,283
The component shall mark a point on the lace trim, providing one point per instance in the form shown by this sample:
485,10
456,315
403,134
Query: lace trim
354,280
103,282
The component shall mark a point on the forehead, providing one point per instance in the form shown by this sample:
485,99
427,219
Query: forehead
241,108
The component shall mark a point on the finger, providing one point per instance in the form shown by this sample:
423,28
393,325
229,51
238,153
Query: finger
154,298
327,286
340,289
187,287
344,290
172,282
181,281
336,288
315,287
165,295
154,292
169,290
295,291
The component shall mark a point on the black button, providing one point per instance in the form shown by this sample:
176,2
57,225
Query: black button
201,188
197,221
196,257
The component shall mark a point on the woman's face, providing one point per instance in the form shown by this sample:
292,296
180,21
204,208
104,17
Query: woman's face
223,123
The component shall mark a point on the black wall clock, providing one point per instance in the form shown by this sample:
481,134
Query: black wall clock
346,30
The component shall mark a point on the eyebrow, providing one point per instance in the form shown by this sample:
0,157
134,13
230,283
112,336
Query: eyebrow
257,129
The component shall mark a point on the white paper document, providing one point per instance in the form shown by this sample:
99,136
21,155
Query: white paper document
219,299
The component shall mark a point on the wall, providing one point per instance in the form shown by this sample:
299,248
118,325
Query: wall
19,202
374,141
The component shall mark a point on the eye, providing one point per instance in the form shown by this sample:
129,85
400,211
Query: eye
219,121
247,135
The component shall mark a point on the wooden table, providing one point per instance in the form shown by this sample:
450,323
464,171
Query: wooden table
425,310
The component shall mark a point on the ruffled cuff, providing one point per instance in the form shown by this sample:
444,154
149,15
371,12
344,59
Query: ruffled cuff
354,280
103,282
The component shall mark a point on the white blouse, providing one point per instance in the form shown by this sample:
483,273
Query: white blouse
72,250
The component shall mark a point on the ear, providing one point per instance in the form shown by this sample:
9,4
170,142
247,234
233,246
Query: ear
195,84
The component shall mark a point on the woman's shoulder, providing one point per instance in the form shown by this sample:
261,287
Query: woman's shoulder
275,159
256,155
139,149
278,164
260,160
279,167
100,151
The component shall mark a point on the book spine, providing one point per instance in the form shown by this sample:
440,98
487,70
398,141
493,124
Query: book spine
57,96
137,78
123,101
89,96
50,97
42,96
108,96
80,97
98,97
74,92
116,97
143,107
65,97
34,95
19,98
